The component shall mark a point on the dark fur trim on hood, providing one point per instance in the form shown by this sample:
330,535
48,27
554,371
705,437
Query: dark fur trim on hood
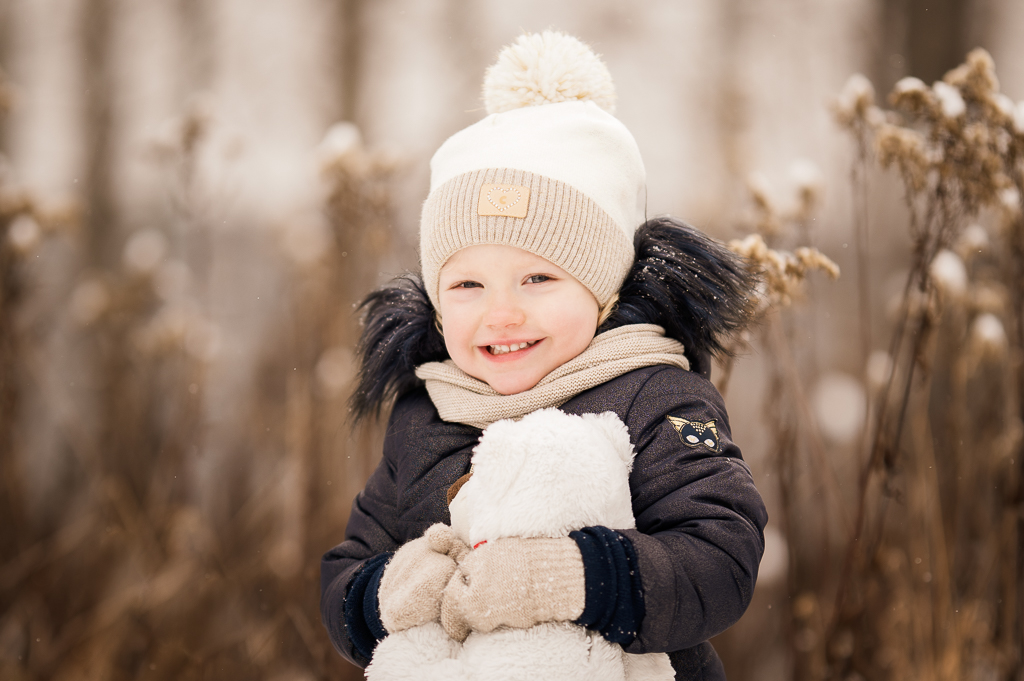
681,279
688,283
398,335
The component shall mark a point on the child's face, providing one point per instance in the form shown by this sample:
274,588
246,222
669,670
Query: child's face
496,298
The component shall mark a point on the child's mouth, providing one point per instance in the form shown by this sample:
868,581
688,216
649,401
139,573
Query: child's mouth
508,349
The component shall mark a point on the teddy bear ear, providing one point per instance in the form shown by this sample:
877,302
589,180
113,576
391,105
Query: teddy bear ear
614,430
457,485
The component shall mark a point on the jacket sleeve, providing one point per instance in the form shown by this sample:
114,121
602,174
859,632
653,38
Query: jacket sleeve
404,496
700,520
368,538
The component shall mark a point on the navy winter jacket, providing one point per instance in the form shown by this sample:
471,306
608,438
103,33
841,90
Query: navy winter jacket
699,518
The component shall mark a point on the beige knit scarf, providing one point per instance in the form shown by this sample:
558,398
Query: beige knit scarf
460,398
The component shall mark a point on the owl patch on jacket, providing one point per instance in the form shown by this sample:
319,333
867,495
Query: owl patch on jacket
696,433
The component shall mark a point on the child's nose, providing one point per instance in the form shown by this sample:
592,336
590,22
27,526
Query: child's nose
505,311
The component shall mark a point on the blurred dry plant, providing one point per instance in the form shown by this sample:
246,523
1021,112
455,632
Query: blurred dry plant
773,227
776,248
6,93
299,454
929,583
127,576
89,589
26,222
191,149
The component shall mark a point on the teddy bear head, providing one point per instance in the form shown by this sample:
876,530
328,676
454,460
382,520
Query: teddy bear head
546,475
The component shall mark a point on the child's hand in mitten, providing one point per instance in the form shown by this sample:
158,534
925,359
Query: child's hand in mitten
516,583
411,586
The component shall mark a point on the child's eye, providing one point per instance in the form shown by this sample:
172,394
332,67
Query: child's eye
468,284
537,279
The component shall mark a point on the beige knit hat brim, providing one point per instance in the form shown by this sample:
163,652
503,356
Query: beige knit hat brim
561,224
550,170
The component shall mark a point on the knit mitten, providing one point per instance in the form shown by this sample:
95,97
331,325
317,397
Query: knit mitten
411,586
514,582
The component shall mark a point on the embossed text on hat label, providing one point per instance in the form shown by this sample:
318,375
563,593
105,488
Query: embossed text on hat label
504,199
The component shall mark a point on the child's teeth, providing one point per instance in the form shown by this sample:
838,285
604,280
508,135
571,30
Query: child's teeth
505,349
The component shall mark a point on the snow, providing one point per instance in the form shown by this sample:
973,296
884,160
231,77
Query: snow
857,90
949,274
950,99
1010,198
341,139
1004,104
806,175
974,239
988,332
839,404
879,369
24,234
909,84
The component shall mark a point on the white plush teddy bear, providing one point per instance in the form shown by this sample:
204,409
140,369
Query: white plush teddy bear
543,476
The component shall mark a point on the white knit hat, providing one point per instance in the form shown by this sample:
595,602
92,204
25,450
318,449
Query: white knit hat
550,170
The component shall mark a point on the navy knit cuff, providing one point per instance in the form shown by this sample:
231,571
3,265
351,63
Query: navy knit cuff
362,618
614,593
371,609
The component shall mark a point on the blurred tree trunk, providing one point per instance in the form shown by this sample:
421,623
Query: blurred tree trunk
731,104
11,505
197,51
5,46
922,38
351,33
936,39
98,191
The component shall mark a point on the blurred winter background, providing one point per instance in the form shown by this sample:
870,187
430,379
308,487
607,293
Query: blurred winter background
193,194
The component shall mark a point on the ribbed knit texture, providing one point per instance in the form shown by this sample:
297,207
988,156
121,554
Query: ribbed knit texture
361,618
460,398
371,607
522,582
561,225
615,595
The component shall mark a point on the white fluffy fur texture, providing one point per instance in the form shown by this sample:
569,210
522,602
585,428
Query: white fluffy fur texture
547,68
544,475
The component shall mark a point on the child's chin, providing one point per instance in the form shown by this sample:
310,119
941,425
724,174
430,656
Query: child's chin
512,385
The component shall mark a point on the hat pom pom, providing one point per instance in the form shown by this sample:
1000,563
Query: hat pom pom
547,68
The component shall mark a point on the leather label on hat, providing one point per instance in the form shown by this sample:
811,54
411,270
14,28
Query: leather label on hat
504,199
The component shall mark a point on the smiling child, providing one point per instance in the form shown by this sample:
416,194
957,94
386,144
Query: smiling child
544,286
510,317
